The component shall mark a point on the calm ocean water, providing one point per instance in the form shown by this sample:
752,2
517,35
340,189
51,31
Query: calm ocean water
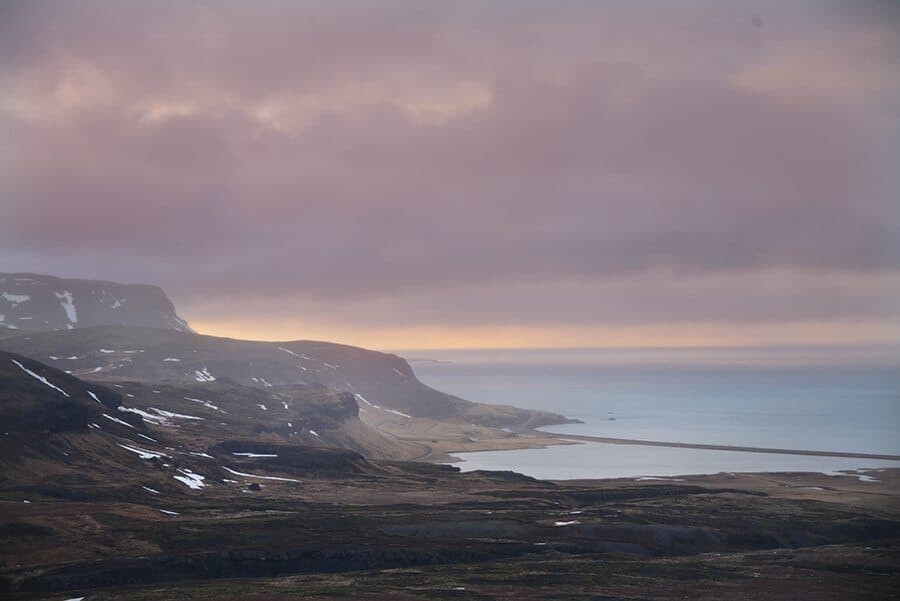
832,399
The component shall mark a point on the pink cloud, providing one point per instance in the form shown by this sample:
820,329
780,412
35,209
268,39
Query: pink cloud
354,152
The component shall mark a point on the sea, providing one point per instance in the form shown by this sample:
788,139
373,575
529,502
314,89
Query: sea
837,398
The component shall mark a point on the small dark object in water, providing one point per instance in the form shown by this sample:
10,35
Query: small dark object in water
254,486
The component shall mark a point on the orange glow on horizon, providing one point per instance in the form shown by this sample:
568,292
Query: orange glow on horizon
487,337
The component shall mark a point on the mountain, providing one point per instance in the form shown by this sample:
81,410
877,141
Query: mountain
379,381
41,302
106,331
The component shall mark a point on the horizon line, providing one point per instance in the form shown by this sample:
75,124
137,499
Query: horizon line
776,346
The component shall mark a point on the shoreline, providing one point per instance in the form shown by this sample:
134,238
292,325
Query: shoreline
445,439
436,440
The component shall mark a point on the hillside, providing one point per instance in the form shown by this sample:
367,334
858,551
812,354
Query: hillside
380,381
86,434
193,417
35,302
116,504
35,398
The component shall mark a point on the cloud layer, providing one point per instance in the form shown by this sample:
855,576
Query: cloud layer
485,164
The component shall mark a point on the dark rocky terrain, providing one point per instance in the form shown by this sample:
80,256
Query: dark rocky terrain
35,302
109,504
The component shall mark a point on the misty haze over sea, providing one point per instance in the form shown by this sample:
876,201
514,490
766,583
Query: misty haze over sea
843,398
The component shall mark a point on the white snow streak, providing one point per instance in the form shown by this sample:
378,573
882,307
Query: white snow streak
204,403
289,352
117,420
143,453
254,455
39,378
154,419
236,473
400,413
203,375
165,413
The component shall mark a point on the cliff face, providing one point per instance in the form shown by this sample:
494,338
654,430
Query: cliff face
41,302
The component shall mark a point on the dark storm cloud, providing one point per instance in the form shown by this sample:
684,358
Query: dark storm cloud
368,151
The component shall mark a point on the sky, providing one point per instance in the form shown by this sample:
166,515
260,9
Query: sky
465,174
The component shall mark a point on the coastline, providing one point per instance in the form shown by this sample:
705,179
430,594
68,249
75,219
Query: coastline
749,405
443,439
435,441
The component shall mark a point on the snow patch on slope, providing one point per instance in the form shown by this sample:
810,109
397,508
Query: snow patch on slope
15,299
190,479
65,299
203,375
